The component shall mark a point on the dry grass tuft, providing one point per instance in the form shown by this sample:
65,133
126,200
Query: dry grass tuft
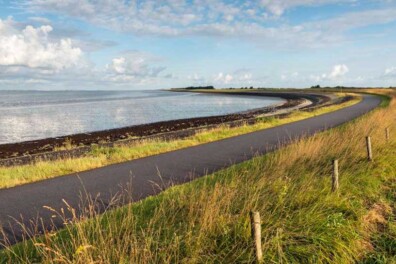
377,216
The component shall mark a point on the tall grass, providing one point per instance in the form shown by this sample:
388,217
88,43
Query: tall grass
207,220
102,156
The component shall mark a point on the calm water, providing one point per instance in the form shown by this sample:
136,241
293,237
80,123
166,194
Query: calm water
30,115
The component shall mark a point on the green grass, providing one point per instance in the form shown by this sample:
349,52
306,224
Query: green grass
102,156
207,220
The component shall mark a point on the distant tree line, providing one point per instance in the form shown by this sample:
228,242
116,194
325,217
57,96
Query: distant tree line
200,87
335,87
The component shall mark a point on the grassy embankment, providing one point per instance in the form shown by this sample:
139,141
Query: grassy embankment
207,220
103,156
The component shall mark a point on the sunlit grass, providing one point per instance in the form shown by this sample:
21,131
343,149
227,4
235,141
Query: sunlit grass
207,220
102,156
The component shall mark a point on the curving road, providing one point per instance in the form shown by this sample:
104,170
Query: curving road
148,176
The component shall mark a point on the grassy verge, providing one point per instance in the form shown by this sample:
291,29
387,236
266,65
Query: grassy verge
207,220
102,156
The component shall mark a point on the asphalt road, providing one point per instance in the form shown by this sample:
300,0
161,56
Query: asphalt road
148,176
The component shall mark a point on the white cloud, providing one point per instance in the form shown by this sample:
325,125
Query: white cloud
289,76
354,20
137,66
197,79
218,18
42,20
390,71
278,7
246,77
240,77
223,78
118,65
174,12
32,48
31,57
338,71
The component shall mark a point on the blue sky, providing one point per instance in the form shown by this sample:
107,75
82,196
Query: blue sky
119,44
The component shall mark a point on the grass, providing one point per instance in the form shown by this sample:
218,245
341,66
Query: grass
207,220
102,156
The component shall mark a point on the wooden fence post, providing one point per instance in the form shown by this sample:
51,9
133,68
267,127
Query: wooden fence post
387,134
256,234
369,149
335,183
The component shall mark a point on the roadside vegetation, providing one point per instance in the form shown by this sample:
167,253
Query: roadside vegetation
207,220
102,156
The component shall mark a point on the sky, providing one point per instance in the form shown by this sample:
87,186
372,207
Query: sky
145,44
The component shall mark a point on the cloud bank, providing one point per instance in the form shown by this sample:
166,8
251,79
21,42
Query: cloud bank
31,48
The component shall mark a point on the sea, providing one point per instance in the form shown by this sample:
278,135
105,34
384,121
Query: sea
33,115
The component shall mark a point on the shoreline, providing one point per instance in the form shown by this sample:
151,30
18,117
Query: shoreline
29,151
